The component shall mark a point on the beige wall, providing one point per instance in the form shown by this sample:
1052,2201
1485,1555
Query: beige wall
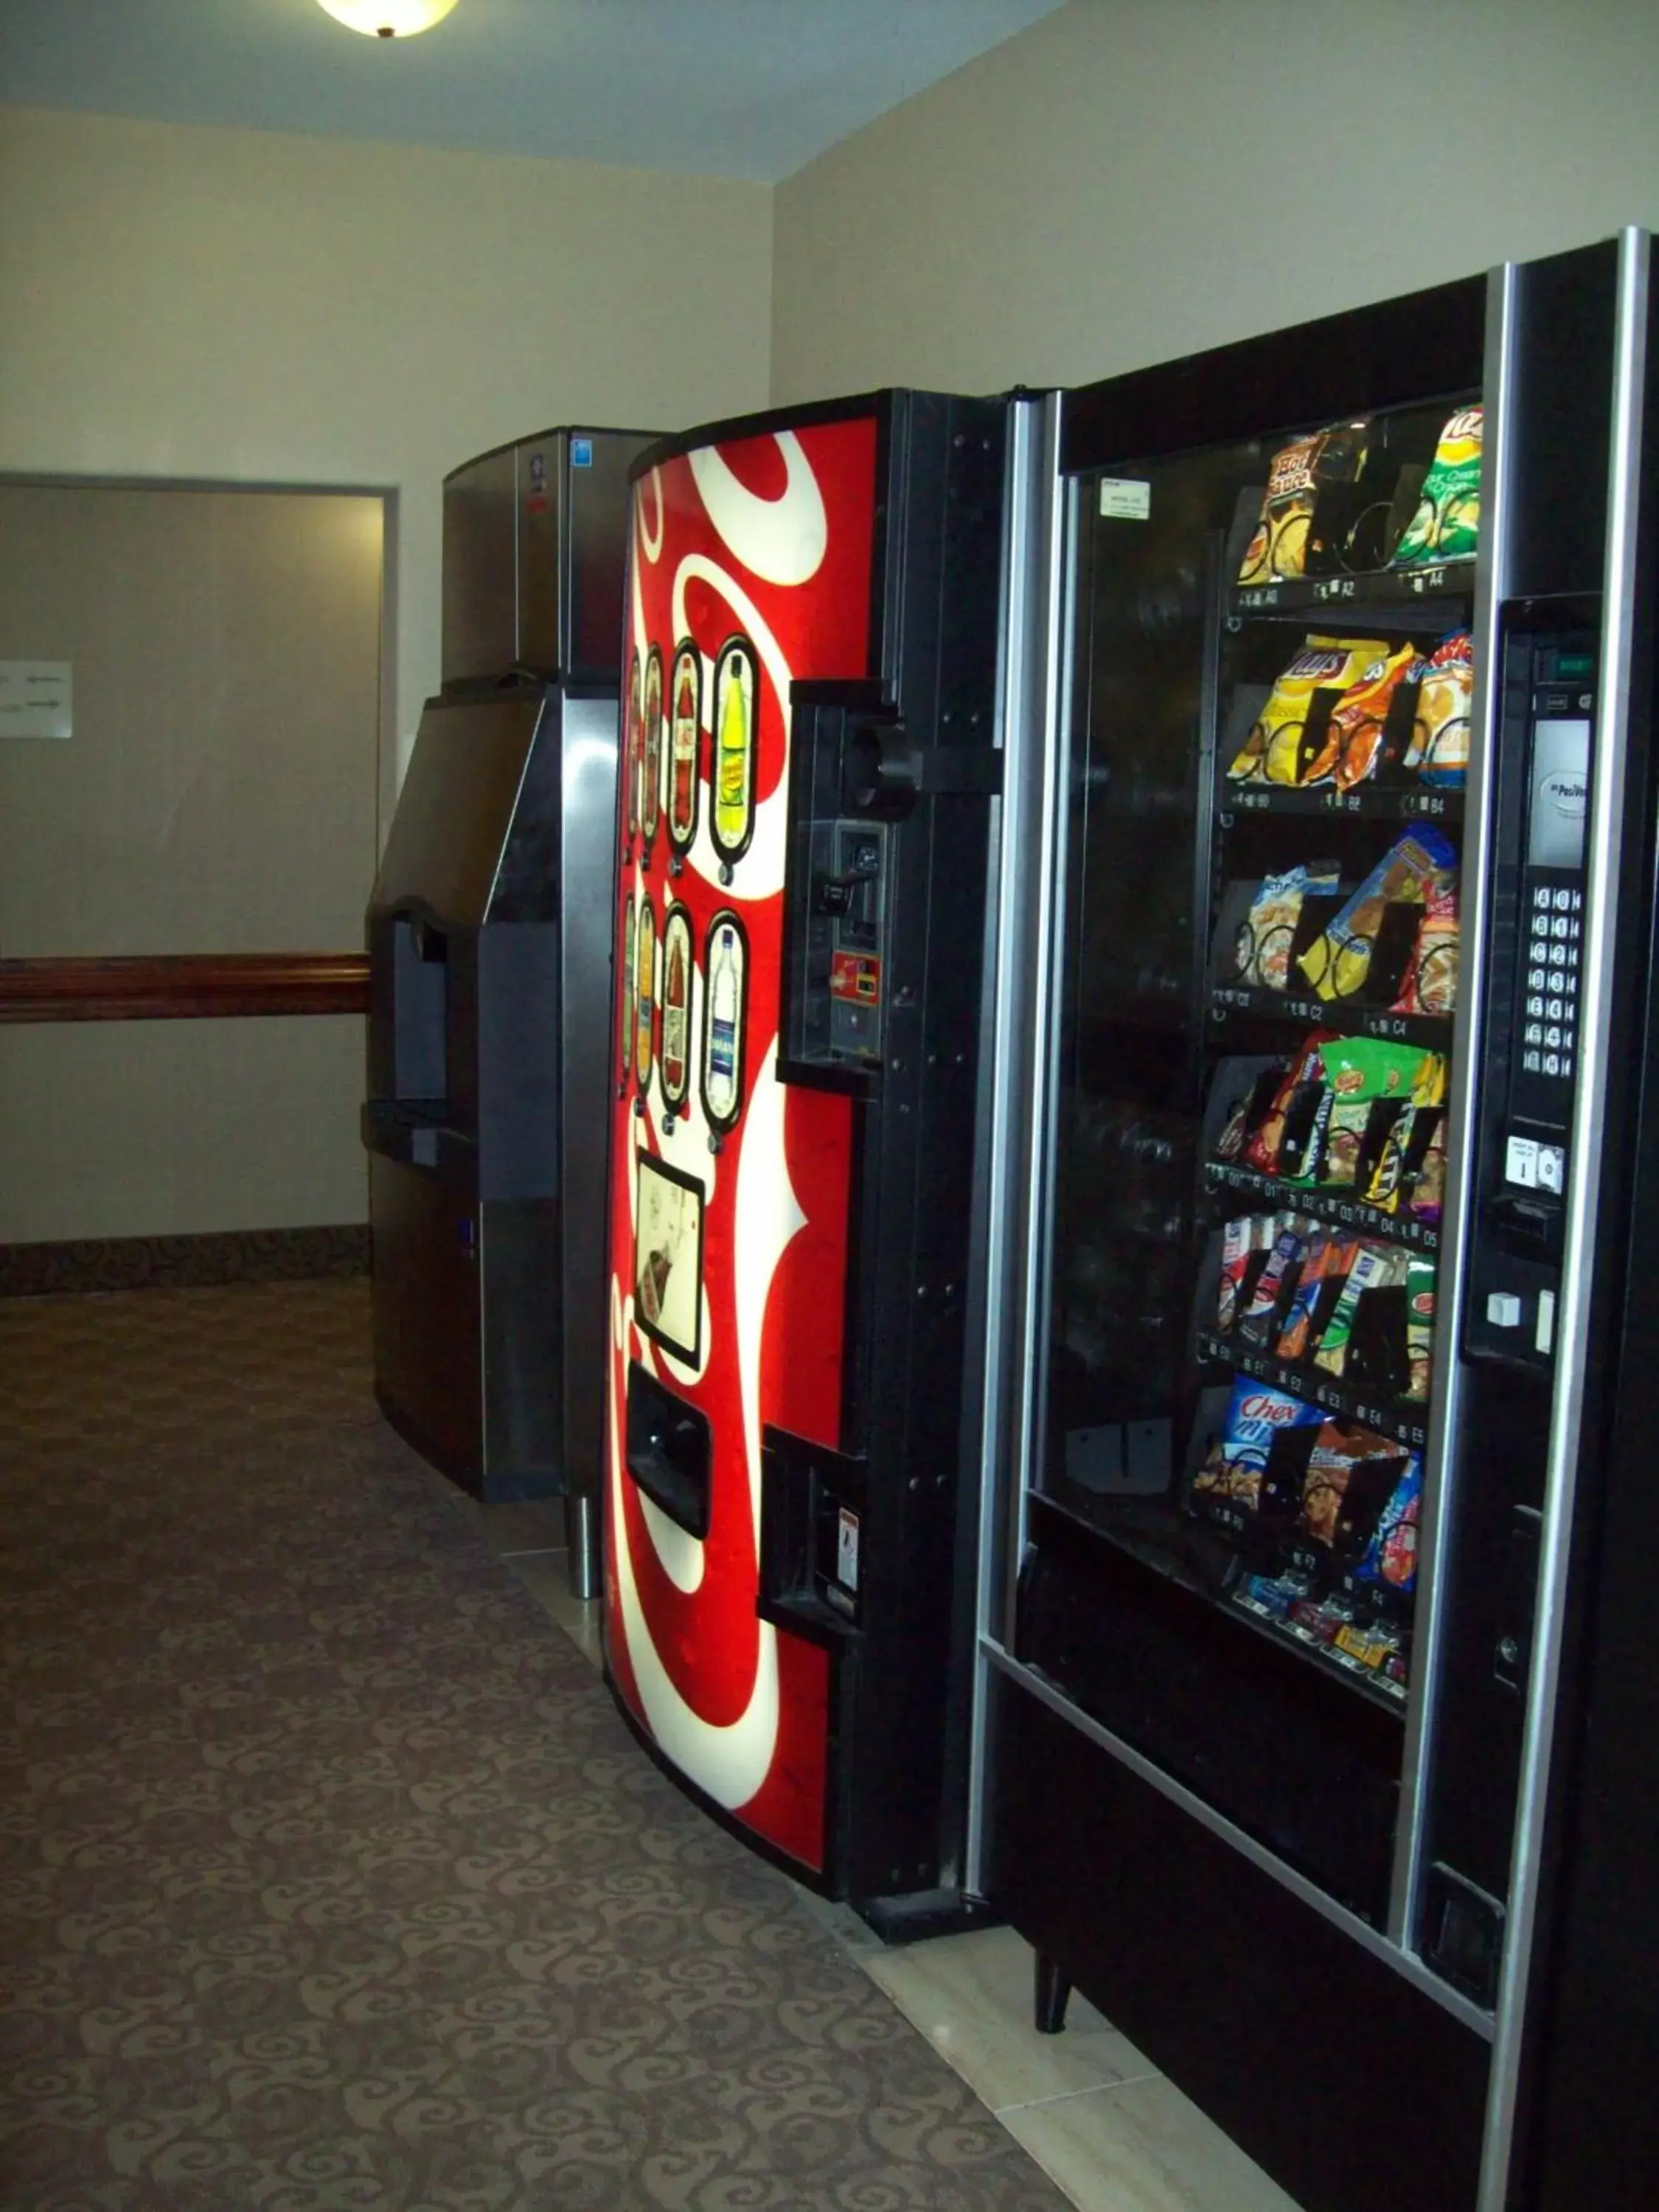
244,307
1131,179
248,308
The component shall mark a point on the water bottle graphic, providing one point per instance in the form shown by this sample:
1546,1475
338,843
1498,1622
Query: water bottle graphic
725,994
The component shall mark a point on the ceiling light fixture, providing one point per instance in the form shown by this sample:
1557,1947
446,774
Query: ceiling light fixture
388,19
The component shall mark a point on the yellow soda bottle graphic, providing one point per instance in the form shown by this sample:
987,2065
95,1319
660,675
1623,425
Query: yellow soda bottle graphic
734,752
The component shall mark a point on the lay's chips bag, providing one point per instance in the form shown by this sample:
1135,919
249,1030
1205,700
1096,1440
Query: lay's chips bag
1447,523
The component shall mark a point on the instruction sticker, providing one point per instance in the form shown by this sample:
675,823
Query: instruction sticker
1126,499
36,699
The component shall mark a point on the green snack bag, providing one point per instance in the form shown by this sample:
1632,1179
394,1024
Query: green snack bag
1447,523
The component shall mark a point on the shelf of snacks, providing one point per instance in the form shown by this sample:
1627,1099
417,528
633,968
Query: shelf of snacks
1373,1655
1404,1421
1347,714
1351,514
1378,960
1322,1509
1330,1207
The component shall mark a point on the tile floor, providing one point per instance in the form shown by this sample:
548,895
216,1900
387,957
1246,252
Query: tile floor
1109,2130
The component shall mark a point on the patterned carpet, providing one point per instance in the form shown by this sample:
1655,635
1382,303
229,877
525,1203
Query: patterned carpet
329,1880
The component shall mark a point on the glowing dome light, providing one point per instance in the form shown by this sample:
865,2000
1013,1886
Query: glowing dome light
388,19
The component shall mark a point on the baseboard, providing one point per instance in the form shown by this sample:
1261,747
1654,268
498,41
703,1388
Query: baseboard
144,1263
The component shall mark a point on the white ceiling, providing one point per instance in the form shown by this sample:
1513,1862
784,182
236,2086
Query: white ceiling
730,87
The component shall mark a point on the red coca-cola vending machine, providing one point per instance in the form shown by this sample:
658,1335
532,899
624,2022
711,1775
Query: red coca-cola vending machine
805,829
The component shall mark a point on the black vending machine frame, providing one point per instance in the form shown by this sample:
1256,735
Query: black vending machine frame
1239,1972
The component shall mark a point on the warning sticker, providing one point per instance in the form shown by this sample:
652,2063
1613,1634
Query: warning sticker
856,976
846,1549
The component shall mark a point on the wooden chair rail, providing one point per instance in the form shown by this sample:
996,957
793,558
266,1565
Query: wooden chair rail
182,986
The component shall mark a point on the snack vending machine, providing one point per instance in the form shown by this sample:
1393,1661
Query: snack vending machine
806,836
1325,952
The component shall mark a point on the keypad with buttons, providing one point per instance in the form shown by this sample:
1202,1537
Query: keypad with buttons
1553,925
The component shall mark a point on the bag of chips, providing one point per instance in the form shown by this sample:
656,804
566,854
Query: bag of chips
1429,1190
1390,1559
1237,1459
1273,750
1338,963
1267,934
1351,1472
1447,523
1277,550
1352,747
1439,748
1431,984
1263,1146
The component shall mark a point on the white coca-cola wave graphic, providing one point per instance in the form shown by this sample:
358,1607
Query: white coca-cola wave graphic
730,1761
780,540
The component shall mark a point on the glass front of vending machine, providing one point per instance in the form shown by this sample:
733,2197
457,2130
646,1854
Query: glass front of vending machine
1280,1429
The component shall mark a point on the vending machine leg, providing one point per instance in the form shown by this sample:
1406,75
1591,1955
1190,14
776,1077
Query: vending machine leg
1052,1990
581,1536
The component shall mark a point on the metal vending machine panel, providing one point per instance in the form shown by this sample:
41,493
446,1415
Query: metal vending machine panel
797,824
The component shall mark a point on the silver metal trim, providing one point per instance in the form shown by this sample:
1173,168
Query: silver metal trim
1022,700
1597,1048
1368,1938
1442,1454
1028,1410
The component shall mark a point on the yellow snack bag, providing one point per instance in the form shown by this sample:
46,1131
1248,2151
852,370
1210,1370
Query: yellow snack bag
1273,750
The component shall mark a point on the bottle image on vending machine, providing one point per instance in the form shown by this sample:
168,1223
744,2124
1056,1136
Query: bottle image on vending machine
683,749
651,777
722,1078
631,755
676,1006
645,968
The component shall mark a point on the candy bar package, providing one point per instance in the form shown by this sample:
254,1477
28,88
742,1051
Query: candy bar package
1236,1464
1317,1289
1399,1160
1390,1557
1439,748
1338,963
1352,747
1447,523
1241,1243
1430,983
1375,1268
1273,749
1368,1084
1277,550
1429,1187
1268,933
1277,1279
